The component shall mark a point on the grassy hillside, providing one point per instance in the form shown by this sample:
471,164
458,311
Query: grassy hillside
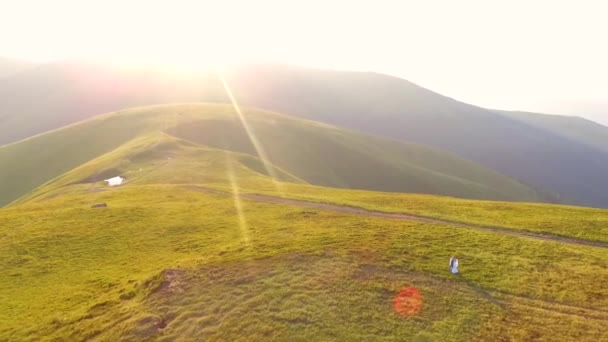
309,151
72,91
164,262
162,159
558,220
398,109
574,128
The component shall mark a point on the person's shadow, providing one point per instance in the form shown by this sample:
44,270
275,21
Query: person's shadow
478,289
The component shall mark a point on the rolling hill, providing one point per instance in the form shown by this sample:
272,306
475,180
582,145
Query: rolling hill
308,151
395,108
551,161
188,248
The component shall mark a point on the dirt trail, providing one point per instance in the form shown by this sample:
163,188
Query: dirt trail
365,212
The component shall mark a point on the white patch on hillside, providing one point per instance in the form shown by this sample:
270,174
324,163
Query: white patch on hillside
115,181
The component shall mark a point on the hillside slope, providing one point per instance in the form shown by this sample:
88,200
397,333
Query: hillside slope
573,128
62,93
395,108
165,261
313,152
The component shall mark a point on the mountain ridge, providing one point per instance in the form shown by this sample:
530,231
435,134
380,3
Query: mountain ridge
317,153
368,102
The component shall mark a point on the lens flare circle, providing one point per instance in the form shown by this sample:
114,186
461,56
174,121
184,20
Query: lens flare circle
408,301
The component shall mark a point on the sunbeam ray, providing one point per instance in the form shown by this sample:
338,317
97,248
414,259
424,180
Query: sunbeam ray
238,205
251,134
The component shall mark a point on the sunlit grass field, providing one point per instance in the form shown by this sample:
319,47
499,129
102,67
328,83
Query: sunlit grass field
71,272
560,220
163,262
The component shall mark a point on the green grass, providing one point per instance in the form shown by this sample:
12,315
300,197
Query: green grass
161,158
315,153
71,272
154,159
166,263
568,221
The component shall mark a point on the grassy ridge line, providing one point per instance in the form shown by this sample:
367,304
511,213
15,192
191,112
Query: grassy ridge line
318,154
195,164
144,157
403,216
164,159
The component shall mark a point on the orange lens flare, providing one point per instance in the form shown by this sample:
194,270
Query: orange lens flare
408,301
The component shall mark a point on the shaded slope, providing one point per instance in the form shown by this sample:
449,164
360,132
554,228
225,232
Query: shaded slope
313,152
328,156
399,109
573,128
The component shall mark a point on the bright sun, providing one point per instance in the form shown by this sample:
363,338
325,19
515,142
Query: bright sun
184,61
469,49
171,53
206,36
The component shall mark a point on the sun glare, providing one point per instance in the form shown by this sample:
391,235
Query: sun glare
188,61
445,50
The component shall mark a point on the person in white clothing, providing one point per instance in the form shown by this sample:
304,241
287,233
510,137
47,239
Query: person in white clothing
454,265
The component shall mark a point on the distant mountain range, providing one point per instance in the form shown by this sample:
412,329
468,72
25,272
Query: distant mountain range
565,158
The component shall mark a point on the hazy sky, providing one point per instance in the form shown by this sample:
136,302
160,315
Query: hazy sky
549,56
